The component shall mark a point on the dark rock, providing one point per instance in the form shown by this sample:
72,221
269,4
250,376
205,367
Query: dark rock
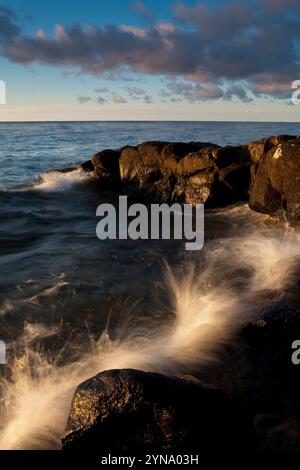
129,412
194,162
275,185
106,165
63,170
278,433
261,373
259,147
150,152
226,156
186,172
88,166
197,172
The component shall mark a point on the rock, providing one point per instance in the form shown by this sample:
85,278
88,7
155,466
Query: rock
199,172
278,433
129,412
87,166
259,147
259,371
192,172
225,156
195,162
106,167
275,185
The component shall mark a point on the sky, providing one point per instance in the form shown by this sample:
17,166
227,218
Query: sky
192,60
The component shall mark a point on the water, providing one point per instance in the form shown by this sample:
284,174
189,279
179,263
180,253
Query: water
71,305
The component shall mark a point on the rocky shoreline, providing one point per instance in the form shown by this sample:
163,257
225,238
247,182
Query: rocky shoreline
253,404
265,173
249,400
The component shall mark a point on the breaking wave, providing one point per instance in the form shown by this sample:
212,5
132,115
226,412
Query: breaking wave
208,301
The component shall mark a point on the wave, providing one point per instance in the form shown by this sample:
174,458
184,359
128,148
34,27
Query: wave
55,180
208,302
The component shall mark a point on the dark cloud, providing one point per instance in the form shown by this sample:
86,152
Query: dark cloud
136,91
101,90
164,93
84,99
6,11
101,100
240,91
8,29
143,11
253,46
195,92
118,99
148,99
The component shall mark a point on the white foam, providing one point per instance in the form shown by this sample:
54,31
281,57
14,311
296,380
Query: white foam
62,181
208,305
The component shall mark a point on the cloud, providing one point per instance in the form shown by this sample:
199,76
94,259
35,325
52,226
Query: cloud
118,99
101,90
164,93
143,11
252,46
240,91
8,29
101,100
136,91
84,99
6,11
195,92
148,99
136,31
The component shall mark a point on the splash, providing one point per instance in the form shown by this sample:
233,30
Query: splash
208,302
62,180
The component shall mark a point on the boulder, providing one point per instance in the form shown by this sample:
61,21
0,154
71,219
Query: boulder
87,166
130,411
259,147
192,172
106,167
199,172
275,185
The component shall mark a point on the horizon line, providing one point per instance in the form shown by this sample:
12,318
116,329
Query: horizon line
145,120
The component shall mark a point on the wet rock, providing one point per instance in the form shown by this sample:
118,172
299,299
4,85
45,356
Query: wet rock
259,147
275,185
189,172
198,172
129,411
278,433
106,167
228,155
87,166
261,374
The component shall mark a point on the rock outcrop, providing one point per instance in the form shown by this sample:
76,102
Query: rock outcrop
192,172
275,183
129,412
257,369
266,171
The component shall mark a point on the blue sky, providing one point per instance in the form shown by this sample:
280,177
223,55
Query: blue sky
151,60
